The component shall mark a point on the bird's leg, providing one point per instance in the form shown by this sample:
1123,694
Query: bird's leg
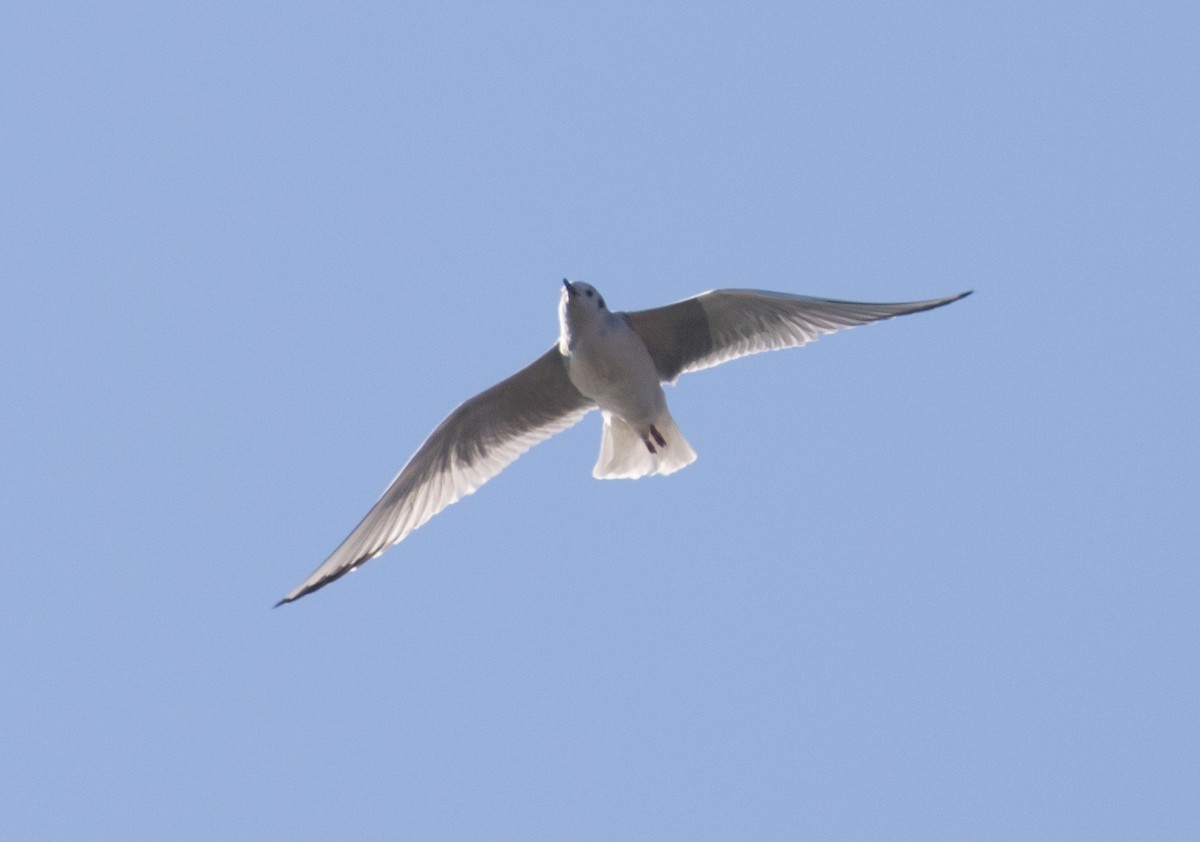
658,437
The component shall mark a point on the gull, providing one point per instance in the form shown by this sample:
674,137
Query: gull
612,361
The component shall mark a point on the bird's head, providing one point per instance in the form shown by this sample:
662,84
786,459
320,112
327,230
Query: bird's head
581,305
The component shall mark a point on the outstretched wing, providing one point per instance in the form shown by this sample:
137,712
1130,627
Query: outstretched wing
477,440
725,324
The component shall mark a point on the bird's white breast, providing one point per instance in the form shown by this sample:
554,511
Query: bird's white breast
609,363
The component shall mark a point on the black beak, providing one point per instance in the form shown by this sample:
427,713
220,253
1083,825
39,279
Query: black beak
570,288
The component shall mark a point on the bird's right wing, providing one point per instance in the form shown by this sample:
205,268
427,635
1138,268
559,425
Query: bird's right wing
476,441
725,324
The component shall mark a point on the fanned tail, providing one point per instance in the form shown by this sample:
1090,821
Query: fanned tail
624,453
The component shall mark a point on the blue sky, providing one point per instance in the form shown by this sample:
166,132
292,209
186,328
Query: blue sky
931,579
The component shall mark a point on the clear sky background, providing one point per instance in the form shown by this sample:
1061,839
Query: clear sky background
930,579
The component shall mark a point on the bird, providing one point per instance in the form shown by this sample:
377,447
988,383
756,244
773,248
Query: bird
616,362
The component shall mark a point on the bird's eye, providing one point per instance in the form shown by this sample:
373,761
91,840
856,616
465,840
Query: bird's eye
589,293
601,302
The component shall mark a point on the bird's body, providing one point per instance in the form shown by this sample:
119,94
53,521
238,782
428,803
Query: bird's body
608,362
614,362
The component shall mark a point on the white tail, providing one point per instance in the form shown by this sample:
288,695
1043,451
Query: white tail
624,454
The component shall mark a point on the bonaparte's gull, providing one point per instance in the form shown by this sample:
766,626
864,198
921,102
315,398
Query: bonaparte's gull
614,362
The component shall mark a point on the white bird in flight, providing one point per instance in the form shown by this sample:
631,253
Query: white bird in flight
614,362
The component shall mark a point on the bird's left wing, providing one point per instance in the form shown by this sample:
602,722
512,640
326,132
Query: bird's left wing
725,324
477,440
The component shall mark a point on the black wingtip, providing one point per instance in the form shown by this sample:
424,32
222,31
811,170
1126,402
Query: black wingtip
942,302
320,583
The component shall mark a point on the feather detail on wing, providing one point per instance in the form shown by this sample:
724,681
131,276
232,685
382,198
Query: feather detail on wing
725,324
476,441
